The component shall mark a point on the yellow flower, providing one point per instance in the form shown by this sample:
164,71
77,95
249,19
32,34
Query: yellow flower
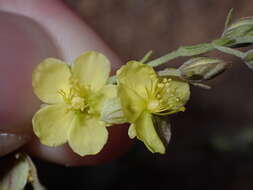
74,96
143,93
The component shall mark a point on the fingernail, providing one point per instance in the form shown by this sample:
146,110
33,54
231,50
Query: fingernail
10,142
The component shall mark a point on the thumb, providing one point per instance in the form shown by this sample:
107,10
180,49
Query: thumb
66,36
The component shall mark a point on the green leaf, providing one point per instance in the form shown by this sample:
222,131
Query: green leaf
229,18
244,39
230,51
146,57
248,59
201,85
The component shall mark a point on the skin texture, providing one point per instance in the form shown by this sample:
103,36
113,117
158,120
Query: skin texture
32,30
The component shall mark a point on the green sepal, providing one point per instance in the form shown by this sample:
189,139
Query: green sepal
163,128
111,112
170,72
248,59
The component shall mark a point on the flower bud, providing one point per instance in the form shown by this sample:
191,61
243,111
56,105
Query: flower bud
248,59
202,68
240,28
19,170
112,112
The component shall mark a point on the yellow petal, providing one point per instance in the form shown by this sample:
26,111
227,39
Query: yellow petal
51,124
109,91
132,131
88,136
139,77
146,132
91,69
132,104
50,76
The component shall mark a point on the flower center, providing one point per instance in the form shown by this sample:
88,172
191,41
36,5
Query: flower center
78,103
153,105
165,98
76,97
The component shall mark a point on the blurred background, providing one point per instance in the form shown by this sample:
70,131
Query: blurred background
212,142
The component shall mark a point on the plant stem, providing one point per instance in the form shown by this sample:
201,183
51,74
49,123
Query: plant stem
163,59
184,51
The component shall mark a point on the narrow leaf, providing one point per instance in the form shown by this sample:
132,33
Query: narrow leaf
195,49
201,85
146,57
230,51
229,17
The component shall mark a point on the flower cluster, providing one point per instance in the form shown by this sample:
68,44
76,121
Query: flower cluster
79,103
81,100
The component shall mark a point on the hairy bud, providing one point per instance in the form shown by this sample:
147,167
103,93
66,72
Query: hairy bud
202,68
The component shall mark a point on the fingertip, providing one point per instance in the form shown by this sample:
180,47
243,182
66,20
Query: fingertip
22,44
63,35
70,34
11,141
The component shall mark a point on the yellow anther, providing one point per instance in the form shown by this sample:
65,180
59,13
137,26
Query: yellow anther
165,80
160,85
89,111
73,81
167,84
30,177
